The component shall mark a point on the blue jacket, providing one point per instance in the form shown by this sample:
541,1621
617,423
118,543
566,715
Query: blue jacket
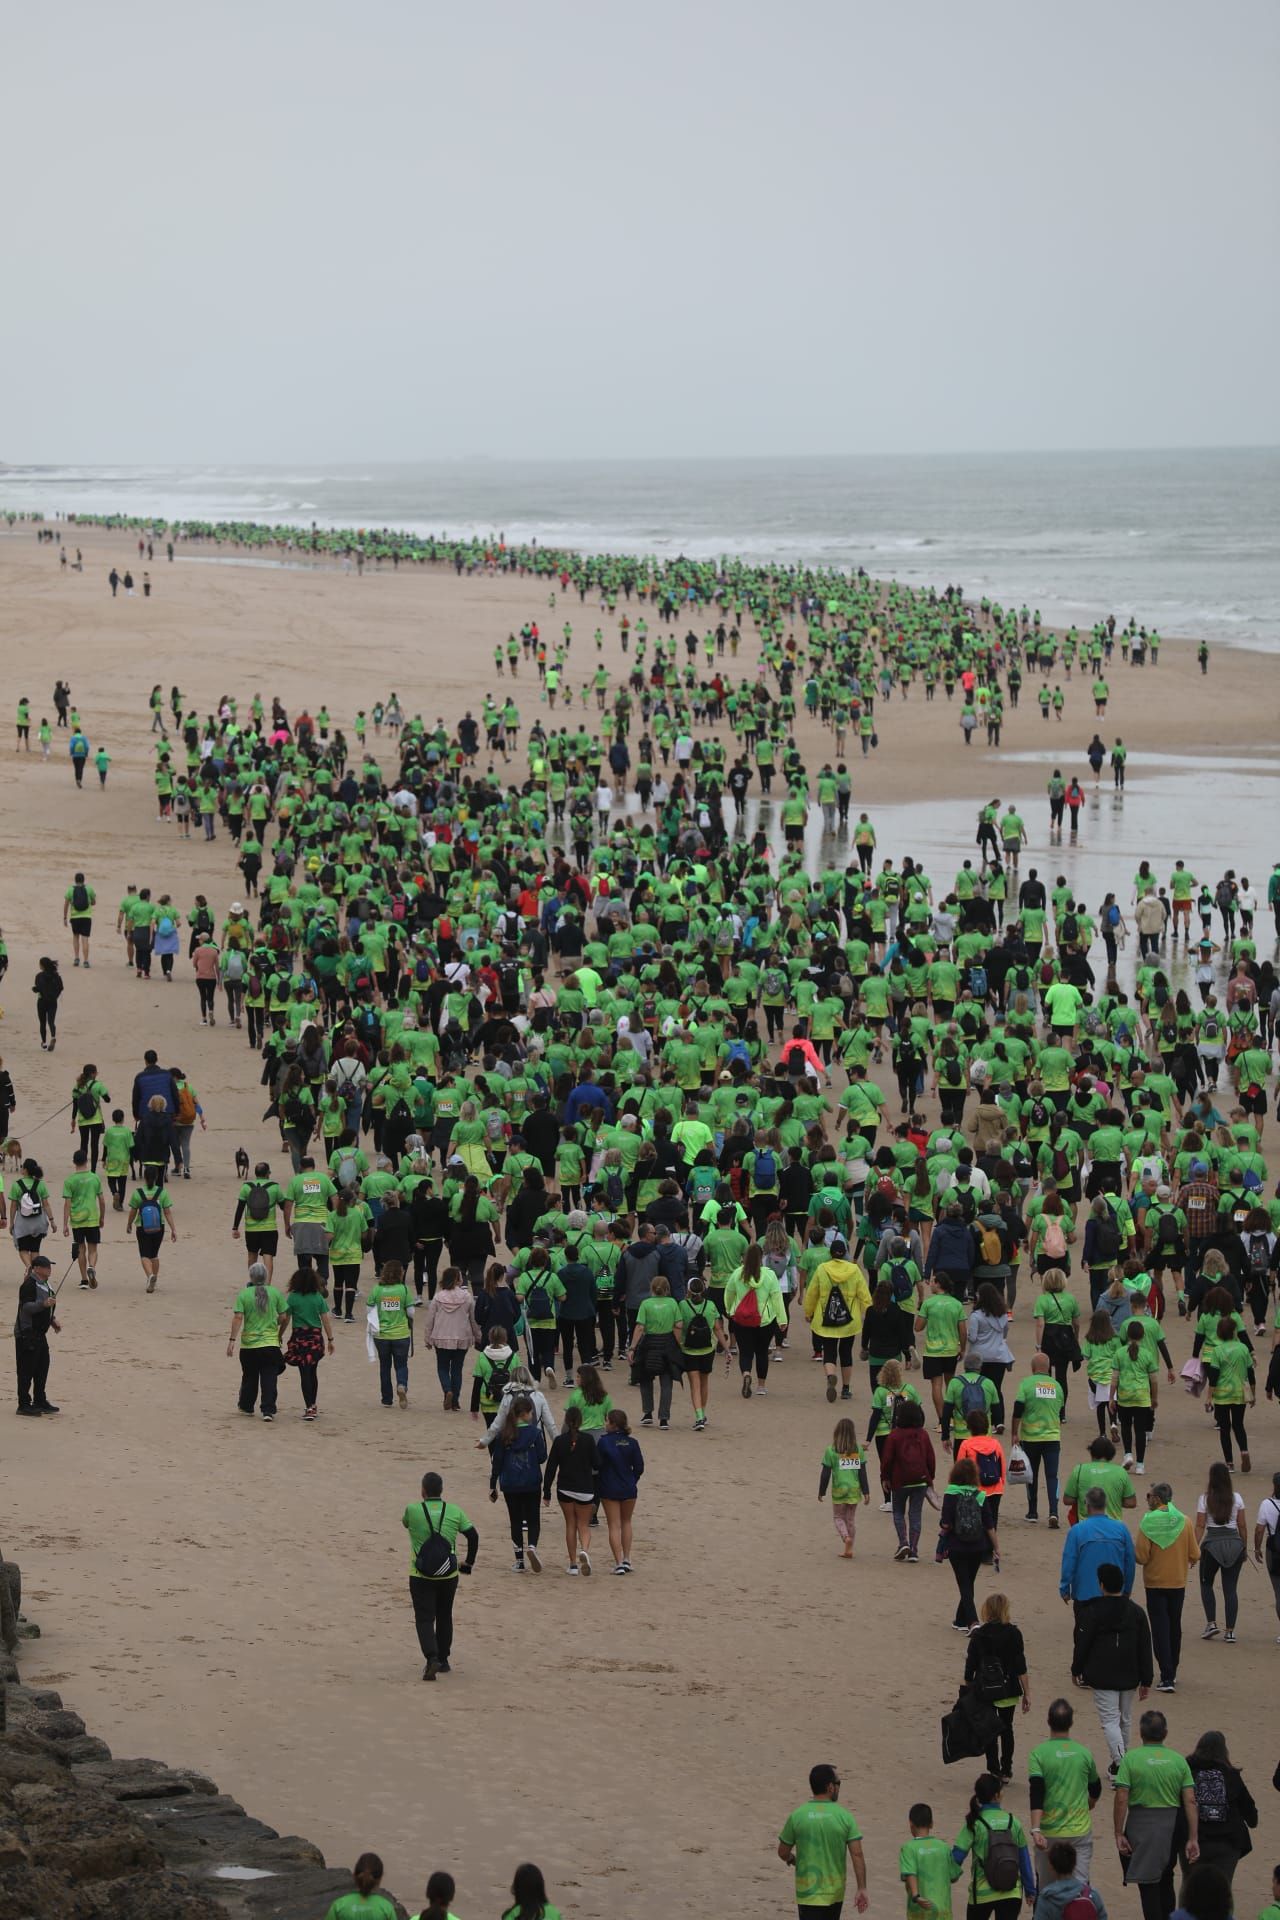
619,1464
518,1468
1090,1544
586,1094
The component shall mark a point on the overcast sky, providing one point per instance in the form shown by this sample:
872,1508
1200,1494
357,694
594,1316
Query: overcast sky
276,231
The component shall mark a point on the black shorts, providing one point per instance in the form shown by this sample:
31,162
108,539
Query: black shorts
262,1242
940,1366
149,1244
83,927
86,1236
698,1362
1254,1102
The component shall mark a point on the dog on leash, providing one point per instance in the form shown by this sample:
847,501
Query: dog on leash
242,1164
12,1154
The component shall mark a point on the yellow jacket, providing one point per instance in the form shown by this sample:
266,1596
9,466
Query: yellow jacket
848,1276
1168,1566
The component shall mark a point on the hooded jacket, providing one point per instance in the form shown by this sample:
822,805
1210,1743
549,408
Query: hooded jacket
1112,1645
636,1269
451,1319
849,1278
950,1249
1055,1896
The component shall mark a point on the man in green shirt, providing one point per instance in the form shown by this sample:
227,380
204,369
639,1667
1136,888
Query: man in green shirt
814,1840
926,1868
435,1523
83,1211
1038,1406
1064,1786
1152,1777
306,1215
1101,1470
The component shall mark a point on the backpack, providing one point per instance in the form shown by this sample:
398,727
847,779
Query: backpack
1168,1233
496,1385
836,1312
165,928
992,1681
295,1112
233,966
202,921
1054,1244
766,1169
87,1104
978,982
1211,1796
973,1397
258,1203
1210,1027
697,1334
961,1194
774,981
738,1054
900,1281
1106,1241
185,1114
1001,1863
1259,1255
31,1206
348,1170
747,1311
1081,1906
613,1187
537,1302
1061,1165
1039,1114
151,1214
989,1468
80,898
1113,915
436,1558
990,1246
967,1525
1070,929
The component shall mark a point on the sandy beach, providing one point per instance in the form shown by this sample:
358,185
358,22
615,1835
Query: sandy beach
228,1598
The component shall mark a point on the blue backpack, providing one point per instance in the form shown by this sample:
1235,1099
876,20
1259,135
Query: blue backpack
738,1054
151,1214
766,1170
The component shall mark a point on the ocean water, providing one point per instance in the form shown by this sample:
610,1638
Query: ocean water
1187,541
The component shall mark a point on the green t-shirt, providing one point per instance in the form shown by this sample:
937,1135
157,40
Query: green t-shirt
392,1304
117,1148
84,1193
308,1309
820,1831
1043,1402
846,1487
358,1906
1107,1474
1068,1771
990,1819
1154,1775
658,1314
942,1314
261,1326
309,1194
445,1518
928,1862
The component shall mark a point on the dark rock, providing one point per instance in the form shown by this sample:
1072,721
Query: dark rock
193,1830
85,1750
142,1780
59,1725
282,1854
42,1698
25,1757
156,1896
29,1891
83,1836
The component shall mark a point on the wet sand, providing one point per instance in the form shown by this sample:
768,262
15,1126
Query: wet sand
234,1598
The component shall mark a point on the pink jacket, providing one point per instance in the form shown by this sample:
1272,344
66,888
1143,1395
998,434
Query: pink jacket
451,1319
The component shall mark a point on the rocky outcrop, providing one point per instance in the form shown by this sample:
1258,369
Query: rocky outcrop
84,1836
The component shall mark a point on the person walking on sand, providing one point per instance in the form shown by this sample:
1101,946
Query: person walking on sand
844,1471
517,1458
77,913
150,1212
367,1902
620,1464
450,1330
1167,1550
1152,1785
434,1526
814,1841
701,1331
1221,1530
37,1318
1112,1655
311,1335
47,988
258,1316
835,1300
529,1896
571,1472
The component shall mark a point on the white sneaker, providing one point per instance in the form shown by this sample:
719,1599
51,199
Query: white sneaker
886,1506
1141,1467
1127,1462
534,1558
572,1570
584,1565
549,1379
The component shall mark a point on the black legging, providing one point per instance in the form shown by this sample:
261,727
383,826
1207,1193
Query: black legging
344,1281
1231,1420
1157,1898
753,1349
1135,1425
1000,1752
524,1510
584,1331
995,1371
47,1015
309,1380
90,1140
1209,1571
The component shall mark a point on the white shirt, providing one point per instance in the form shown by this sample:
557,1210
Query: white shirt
1224,1526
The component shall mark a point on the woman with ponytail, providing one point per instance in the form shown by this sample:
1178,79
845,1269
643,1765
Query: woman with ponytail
440,1892
367,1902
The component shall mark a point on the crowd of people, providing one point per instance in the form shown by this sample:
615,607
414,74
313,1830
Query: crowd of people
568,1072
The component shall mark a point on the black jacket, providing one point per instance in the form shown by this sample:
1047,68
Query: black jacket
571,1465
1112,1644
1241,1811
